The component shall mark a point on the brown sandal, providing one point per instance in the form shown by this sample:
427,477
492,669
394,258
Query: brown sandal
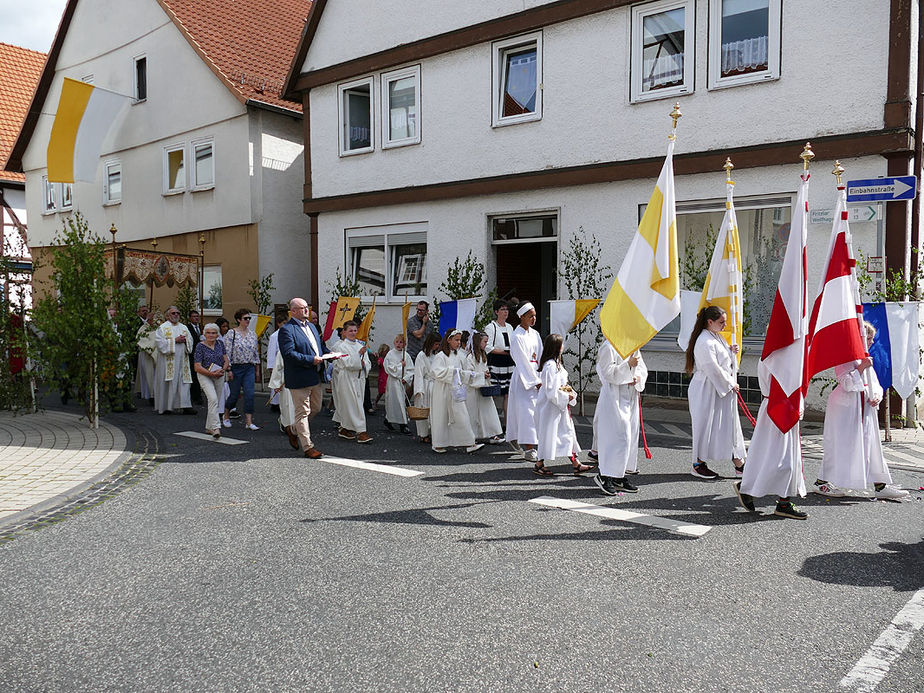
540,470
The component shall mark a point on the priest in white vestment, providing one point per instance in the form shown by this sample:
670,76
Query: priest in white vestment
172,374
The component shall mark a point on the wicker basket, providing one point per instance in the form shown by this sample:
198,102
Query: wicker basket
490,391
418,413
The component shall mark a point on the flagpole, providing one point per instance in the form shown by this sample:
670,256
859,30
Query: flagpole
732,259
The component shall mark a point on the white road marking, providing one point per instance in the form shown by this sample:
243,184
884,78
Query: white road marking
892,452
208,436
686,528
371,466
676,430
873,666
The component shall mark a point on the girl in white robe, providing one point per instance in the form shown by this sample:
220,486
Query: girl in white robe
350,379
713,396
423,382
449,422
853,452
525,350
481,410
400,370
616,419
556,429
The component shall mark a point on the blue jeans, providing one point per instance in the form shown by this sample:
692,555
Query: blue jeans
243,378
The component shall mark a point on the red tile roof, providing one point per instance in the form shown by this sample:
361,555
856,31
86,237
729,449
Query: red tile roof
249,44
20,70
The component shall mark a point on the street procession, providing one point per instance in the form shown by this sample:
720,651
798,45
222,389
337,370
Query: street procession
531,345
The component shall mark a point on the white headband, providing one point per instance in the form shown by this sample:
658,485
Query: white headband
525,308
453,334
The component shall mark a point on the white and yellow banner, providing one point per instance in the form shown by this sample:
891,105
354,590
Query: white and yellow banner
85,115
645,296
564,316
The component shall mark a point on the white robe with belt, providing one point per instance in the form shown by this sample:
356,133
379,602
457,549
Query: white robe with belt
147,349
525,349
556,429
449,422
423,385
172,374
400,371
775,458
349,379
481,410
283,397
853,452
713,403
616,420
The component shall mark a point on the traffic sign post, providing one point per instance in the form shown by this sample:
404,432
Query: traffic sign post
882,189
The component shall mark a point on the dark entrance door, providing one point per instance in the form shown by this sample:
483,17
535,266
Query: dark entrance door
529,270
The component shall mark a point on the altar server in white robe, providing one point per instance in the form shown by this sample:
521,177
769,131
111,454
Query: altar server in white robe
525,349
423,382
616,419
449,422
713,396
400,369
481,410
349,380
172,374
147,351
272,350
556,429
853,451
277,383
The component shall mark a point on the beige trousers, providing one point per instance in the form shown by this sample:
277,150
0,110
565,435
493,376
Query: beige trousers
307,404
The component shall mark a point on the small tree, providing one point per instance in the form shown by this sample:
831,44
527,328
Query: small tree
82,348
261,291
585,276
186,301
467,279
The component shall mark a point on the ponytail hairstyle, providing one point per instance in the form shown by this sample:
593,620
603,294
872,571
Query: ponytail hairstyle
706,314
551,350
477,351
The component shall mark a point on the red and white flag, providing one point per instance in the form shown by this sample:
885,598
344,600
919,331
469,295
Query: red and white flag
836,328
785,347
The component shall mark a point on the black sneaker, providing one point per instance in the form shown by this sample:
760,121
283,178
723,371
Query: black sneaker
233,414
592,454
703,472
633,472
787,509
607,484
747,502
624,485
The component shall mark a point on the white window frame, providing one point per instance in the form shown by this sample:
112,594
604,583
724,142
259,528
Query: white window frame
636,62
194,184
49,194
341,90
774,36
107,196
499,49
386,79
65,202
166,166
135,99
393,235
205,289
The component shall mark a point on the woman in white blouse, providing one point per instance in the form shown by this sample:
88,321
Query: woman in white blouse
500,364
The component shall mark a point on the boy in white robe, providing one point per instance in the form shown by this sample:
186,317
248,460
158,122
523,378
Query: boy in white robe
172,374
349,380
400,370
616,419
852,449
525,349
277,383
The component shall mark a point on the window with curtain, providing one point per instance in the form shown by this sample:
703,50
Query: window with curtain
662,49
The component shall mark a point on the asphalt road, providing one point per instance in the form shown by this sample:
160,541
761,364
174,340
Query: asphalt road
239,568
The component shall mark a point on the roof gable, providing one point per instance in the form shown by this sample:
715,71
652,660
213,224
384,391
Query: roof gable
20,70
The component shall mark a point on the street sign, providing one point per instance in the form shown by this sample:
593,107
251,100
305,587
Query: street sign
882,189
857,214
875,264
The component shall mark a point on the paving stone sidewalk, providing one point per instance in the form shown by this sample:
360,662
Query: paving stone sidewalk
47,457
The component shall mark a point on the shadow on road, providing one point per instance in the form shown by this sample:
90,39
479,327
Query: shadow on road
899,566
411,516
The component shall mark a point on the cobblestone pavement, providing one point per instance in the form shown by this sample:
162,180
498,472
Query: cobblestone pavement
48,457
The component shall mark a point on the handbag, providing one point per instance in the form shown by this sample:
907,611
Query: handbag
459,391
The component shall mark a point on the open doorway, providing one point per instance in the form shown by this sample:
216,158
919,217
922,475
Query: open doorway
526,261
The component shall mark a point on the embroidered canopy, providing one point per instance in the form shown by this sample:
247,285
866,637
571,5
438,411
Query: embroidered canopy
145,266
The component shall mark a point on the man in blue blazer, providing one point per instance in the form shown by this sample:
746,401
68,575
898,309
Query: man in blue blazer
301,347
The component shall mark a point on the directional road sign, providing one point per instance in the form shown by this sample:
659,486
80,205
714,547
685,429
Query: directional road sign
882,189
854,214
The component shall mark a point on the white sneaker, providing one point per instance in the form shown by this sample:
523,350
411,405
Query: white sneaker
531,455
830,490
891,493
474,448
252,427
226,423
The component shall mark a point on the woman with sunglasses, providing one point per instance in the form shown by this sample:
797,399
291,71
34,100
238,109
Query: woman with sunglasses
241,346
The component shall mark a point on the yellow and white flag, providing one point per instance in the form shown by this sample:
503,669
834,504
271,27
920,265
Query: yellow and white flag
362,334
564,316
85,115
405,314
724,280
645,296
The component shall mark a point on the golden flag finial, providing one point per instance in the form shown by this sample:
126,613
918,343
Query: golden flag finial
838,172
807,155
676,114
728,169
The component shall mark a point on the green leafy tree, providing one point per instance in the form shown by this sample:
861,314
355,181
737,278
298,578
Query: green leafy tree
585,276
186,301
467,279
261,291
82,350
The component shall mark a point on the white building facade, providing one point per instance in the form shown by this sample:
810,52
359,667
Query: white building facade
506,128
196,153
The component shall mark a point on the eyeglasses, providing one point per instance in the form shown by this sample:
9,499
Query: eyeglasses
245,317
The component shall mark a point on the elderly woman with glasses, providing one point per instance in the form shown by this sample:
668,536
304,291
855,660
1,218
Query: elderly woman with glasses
241,345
